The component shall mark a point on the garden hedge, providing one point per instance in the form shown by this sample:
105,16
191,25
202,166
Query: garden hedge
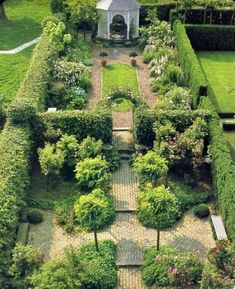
223,169
212,37
97,124
34,85
144,120
14,180
162,7
198,16
189,64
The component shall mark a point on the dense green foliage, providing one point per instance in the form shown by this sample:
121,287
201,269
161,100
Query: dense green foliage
169,268
97,124
150,168
158,207
94,211
35,216
208,37
25,259
145,119
219,70
223,170
14,180
92,173
189,64
201,211
84,268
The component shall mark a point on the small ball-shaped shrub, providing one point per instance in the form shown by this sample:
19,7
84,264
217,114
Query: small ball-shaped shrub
202,211
35,217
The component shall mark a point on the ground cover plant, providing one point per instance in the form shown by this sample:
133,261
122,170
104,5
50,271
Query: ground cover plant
219,70
80,268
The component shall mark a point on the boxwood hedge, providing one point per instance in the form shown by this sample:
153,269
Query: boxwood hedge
95,123
212,37
223,169
14,180
34,85
189,64
144,120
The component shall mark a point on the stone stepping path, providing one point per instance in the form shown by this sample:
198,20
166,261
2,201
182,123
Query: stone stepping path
129,278
124,188
123,140
21,47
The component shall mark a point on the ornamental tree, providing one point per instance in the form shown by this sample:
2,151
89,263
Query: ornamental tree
158,207
94,211
68,147
151,168
51,161
92,173
90,148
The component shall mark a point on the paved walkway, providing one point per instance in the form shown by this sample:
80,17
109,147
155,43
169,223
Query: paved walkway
21,47
120,55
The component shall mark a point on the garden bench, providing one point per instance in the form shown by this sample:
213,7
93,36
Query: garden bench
219,227
51,109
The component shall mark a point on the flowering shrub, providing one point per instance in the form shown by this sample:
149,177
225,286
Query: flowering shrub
75,97
71,73
168,267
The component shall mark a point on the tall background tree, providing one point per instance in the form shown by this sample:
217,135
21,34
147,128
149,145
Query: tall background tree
3,15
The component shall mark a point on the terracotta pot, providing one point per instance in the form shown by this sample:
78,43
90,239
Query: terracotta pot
133,62
104,62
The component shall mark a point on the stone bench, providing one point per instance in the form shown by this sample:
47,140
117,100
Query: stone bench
219,227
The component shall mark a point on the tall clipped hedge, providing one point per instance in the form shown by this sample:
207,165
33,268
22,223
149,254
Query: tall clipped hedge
212,37
34,86
97,124
163,8
144,120
189,64
14,179
223,169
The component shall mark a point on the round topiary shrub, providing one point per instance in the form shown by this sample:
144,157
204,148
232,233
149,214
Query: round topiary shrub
201,211
35,217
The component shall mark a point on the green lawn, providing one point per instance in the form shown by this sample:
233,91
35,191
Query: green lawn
24,24
119,76
230,137
12,71
219,68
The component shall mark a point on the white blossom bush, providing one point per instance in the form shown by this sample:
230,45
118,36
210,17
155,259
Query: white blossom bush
71,73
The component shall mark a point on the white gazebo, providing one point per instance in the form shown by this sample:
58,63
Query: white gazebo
119,19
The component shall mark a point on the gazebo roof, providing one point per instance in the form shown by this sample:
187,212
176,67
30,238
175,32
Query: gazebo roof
118,5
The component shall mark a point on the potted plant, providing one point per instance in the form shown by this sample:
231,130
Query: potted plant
104,54
133,54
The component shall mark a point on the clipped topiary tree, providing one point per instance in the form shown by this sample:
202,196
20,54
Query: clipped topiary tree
68,147
92,173
51,161
94,211
151,168
90,148
159,208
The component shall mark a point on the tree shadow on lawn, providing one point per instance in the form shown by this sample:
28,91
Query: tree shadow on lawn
17,32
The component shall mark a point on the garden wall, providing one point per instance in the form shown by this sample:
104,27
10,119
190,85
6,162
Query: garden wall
223,169
211,37
145,119
189,64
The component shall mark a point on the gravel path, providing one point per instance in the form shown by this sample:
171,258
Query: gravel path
21,47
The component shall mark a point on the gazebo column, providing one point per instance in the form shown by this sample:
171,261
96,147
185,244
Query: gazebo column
128,25
137,23
108,24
